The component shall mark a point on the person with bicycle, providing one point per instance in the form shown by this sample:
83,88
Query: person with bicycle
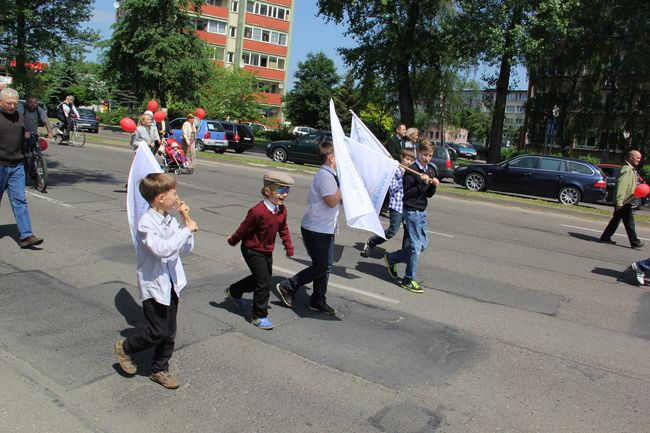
34,116
12,170
67,113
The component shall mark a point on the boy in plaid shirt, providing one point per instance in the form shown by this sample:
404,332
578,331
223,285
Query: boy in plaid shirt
395,203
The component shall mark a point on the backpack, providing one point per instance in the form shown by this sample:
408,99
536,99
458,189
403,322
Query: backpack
60,114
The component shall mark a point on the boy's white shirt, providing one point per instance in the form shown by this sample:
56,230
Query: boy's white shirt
160,240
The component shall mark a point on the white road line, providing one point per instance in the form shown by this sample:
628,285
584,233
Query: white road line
597,231
51,200
441,234
346,288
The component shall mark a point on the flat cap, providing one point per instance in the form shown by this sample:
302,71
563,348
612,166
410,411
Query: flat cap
277,178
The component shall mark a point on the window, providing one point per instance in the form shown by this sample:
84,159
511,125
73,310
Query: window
233,31
263,60
525,162
263,35
510,108
230,57
519,121
210,26
217,53
267,10
576,167
550,164
219,3
234,6
250,6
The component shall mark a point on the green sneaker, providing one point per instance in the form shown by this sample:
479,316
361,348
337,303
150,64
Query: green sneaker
392,269
412,286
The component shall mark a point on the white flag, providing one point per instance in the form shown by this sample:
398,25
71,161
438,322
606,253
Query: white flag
360,132
143,164
359,166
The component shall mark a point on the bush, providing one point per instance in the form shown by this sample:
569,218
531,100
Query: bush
275,134
114,116
510,152
645,172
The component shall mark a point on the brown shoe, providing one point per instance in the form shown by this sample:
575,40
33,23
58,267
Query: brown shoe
30,241
125,360
165,378
285,295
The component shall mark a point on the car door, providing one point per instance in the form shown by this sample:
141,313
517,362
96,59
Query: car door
546,181
306,148
514,175
176,126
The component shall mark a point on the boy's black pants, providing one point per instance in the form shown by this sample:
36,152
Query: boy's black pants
159,333
259,282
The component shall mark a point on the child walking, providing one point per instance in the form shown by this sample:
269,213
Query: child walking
417,189
395,203
257,233
160,275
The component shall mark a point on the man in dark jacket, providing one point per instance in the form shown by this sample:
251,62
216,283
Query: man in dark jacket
396,142
12,170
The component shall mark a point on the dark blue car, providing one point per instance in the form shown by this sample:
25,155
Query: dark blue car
570,181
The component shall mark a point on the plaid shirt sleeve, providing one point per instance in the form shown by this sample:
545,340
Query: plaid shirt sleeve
396,192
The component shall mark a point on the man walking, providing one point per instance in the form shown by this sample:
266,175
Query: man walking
396,142
12,169
625,185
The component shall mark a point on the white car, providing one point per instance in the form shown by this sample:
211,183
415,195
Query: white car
302,130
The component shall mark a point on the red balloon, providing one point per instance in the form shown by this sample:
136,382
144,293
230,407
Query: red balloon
127,124
642,190
152,105
159,116
42,143
200,113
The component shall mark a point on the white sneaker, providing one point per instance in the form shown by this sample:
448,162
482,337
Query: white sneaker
366,249
640,275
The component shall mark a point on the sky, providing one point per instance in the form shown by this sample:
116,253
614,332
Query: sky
310,34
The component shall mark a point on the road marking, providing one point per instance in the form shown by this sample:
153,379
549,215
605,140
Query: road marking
596,231
348,289
51,200
441,234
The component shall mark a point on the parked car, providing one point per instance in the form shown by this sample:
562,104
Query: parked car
465,150
568,180
211,135
303,149
611,172
239,136
444,161
88,120
302,130
256,127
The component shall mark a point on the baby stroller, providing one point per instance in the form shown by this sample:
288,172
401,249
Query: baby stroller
174,159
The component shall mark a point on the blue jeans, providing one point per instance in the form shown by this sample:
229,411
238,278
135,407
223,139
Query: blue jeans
644,265
12,180
320,247
395,221
415,241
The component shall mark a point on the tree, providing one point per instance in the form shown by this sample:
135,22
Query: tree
378,120
230,92
316,80
346,98
394,38
155,51
33,29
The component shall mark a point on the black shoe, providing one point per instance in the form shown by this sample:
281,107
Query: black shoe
639,245
323,308
285,295
606,241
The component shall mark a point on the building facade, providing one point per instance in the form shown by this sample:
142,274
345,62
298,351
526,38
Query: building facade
256,36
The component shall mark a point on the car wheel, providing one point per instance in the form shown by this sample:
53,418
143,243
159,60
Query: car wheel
240,149
279,155
198,145
636,203
475,182
569,195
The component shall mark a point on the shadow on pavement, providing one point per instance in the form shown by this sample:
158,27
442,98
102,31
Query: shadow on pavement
132,313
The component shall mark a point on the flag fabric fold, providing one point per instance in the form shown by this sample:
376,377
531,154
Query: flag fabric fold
364,173
361,133
143,164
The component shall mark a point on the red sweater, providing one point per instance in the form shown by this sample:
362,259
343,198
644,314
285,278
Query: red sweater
259,228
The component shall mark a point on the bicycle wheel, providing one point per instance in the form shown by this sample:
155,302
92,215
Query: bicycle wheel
40,171
77,138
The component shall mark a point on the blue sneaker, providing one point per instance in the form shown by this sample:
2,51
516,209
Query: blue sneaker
241,302
262,323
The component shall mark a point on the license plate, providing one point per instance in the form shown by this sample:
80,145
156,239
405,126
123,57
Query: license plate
247,138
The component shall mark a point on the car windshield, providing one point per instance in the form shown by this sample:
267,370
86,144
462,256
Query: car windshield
86,112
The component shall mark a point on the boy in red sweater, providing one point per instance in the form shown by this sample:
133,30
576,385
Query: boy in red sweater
257,233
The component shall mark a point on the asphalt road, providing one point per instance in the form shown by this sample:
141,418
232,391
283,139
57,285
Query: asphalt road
526,324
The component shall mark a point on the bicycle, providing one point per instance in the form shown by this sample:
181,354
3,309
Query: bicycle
35,164
75,137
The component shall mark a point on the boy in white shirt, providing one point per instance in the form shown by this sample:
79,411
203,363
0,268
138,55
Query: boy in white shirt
160,276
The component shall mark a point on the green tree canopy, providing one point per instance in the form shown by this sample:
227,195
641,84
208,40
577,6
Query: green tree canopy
31,30
155,52
230,92
308,102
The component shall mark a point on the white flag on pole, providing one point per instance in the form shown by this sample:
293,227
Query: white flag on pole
364,174
143,164
360,132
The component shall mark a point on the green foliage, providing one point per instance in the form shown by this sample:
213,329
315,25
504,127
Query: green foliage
114,116
378,120
155,52
645,172
230,93
510,152
33,29
275,134
477,122
590,158
70,76
307,104
346,98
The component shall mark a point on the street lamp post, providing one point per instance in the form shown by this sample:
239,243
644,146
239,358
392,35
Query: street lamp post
551,128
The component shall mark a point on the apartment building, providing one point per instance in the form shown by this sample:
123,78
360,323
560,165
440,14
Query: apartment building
254,35
515,113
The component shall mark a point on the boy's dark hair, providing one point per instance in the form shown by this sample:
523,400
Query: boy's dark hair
407,152
397,125
326,149
156,183
426,144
